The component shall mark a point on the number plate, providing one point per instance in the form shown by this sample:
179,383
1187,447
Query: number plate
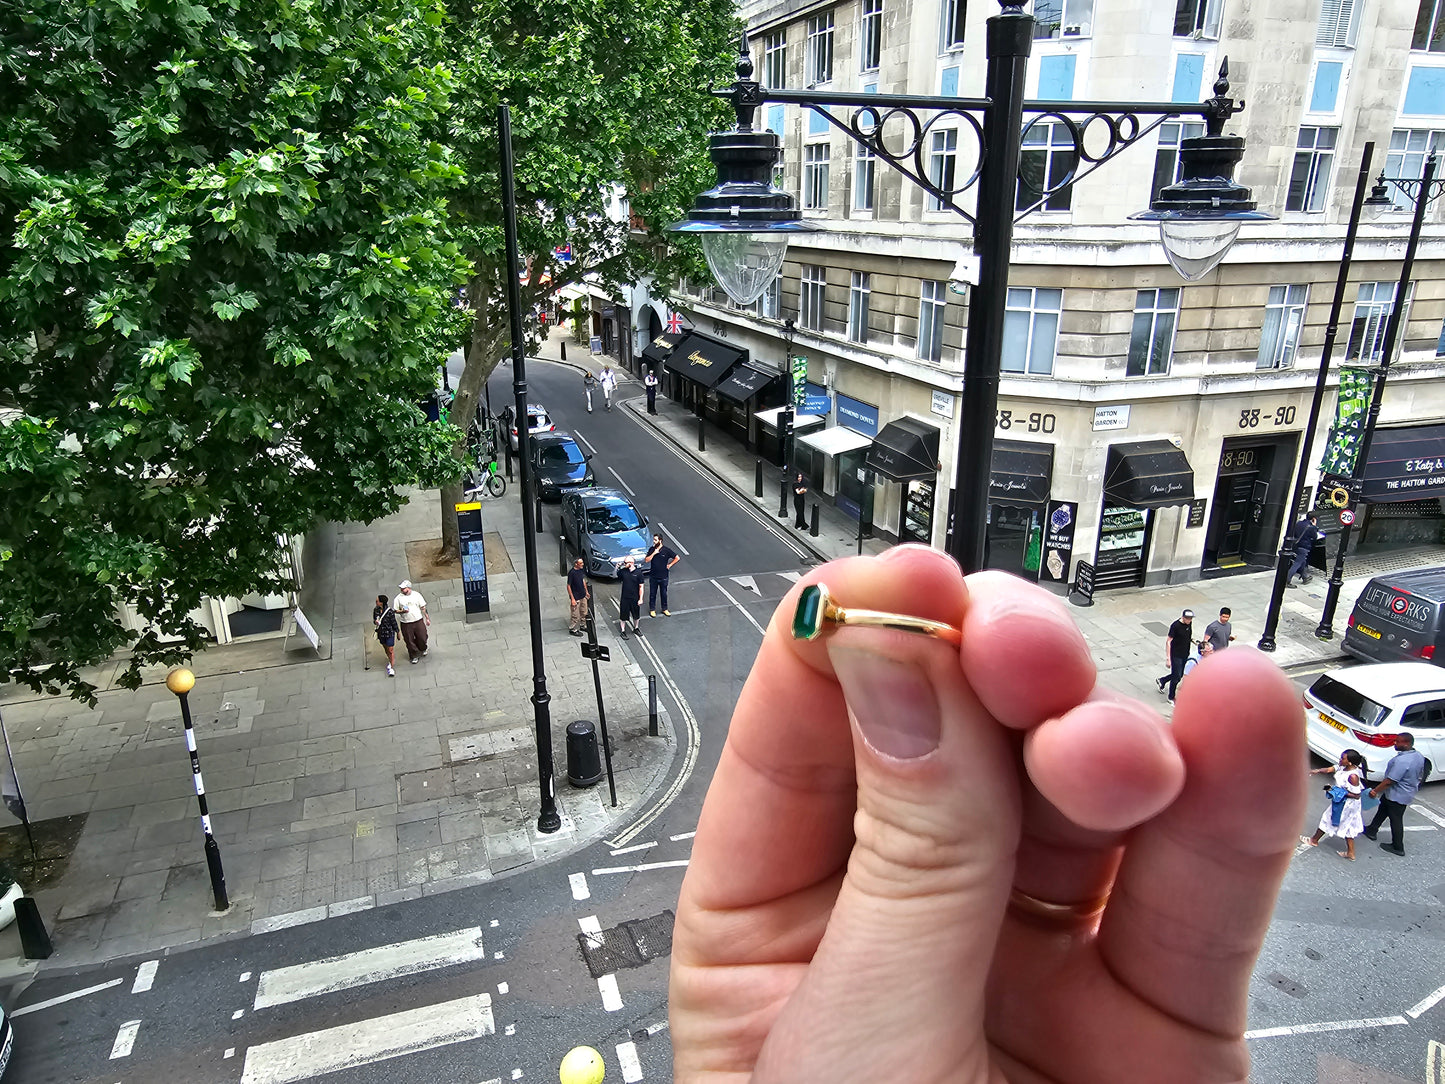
1338,726
1365,630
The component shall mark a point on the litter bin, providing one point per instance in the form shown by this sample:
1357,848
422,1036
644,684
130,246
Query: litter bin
584,761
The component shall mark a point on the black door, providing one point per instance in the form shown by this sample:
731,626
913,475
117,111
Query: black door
1239,506
1008,537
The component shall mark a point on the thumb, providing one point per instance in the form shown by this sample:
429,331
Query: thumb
911,935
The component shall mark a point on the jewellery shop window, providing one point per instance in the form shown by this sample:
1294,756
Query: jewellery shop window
1123,539
918,512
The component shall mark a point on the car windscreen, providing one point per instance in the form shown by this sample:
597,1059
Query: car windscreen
561,455
1349,701
611,517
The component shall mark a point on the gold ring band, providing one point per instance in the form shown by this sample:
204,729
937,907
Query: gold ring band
1056,914
816,607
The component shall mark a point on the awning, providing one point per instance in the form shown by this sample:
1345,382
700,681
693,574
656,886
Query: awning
744,382
768,419
836,440
655,353
905,449
703,359
1406,464
1020,472
1149,474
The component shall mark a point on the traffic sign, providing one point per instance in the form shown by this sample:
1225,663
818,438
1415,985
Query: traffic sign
596,651
1347,517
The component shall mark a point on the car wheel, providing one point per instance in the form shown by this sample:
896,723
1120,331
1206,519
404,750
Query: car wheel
1429,770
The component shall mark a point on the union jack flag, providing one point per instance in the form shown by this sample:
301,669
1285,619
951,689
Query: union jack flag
674,324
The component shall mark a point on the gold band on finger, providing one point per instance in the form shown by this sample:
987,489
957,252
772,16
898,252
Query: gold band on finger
816,608
1055,914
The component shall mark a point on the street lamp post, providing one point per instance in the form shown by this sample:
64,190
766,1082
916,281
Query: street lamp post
181,682
1422,192
745,223
1286,550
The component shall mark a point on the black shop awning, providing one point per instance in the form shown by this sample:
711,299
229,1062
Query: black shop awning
904,450
1406,464
1020,472
744,382
1149,474
704,359
655,353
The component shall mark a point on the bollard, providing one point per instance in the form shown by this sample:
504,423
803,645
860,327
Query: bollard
34,941
701,438
180,682
507,446
563,565
758,481
652,705
540,527
783,498
813,528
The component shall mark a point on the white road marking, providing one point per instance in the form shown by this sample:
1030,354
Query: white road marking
746,582
516,1074
607,984
624,485
631,1066
145,976
1435,1060
1425,1004
238,1014
586,443
639,869
634,847
288,920
1329,1025
578,881
653,1029
1429,814
791,577
663,530
502,988
124,1040
681,836
366,1042
383,963
245,976
230,1053
66,997
741,608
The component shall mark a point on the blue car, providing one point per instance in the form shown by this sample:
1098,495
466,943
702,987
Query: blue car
602,526
557,462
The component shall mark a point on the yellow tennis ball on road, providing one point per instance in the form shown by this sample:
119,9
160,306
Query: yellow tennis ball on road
582,1065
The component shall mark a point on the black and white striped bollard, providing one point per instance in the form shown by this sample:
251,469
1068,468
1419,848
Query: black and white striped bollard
181,682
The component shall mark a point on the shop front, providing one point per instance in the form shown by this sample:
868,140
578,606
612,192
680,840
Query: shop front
833,459
1250,494
1020,479
1138,478
745,390
697,365
765,429
655,353
1402,489
855,480
905,451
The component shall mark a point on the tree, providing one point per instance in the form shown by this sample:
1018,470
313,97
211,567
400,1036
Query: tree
224,287
604,94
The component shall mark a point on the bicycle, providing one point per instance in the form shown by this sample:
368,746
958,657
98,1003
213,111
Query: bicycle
491,483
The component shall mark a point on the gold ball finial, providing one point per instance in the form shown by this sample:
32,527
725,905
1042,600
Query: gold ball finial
180,681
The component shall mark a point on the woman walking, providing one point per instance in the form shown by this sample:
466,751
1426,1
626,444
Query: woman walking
1342,816
384,620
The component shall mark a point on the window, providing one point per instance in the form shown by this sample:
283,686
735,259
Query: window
1372,315
1284,315
942,165
815,176
1166,158
1309,180
1408,150
775,60
1197,18
865,164
954,14
1430,27
1339,19
769,303
1031,330
810,297
820,48
858,289
1047,159
1151,342
871,46
1063,19
932,305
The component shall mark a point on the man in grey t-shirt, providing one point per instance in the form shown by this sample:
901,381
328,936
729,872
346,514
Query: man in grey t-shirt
1403,776
1219,633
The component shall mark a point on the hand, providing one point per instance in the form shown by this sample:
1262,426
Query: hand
848,871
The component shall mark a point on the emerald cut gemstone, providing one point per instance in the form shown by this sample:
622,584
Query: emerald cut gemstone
808,617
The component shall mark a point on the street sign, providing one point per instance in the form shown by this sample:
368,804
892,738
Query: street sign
476,595
1083,584
821,405
596,651
563,253
1347,517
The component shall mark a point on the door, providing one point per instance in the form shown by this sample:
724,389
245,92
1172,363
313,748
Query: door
1009,528
1239,507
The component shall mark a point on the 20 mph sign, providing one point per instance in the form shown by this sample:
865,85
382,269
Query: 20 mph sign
1347,517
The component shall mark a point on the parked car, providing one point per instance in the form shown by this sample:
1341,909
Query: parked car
1364,707
538,421
1398,617
603,527
558,462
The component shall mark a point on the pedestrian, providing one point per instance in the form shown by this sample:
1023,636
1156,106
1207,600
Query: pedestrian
608,380
650,383
1403,776
1342,816
1306,533
1218,633
579,598
383,619
660,559
631,577
800,498
589,384
1178,643
1202,650
411,612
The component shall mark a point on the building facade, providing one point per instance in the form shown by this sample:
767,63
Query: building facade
1154,423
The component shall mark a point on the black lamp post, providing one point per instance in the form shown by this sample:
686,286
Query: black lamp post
745,222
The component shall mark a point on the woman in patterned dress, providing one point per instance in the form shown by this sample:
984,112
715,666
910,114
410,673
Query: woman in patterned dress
1342,818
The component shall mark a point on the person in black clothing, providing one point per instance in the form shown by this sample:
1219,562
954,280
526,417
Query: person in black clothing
1306,533
631,577
384,620
800,497
650,383
1177,647
660,559
579,598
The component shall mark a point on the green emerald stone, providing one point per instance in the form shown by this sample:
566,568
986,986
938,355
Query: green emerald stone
808,617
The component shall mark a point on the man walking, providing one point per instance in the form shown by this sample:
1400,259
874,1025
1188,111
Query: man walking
800,499
1403,776
660,559
608,380
579,597
410,609
631,577
589,384
1218,633
1306,533
1178,644
650,383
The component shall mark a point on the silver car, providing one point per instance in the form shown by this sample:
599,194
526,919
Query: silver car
603,527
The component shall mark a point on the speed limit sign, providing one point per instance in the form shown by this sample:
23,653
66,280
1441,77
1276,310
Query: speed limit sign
1347,517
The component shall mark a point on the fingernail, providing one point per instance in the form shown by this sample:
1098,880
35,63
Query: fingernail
892,701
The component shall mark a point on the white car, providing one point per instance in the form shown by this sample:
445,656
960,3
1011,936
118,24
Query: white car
1364,707
538,421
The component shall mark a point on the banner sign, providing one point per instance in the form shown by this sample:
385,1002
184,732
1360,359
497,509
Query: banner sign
1343,447
1059,541
799,366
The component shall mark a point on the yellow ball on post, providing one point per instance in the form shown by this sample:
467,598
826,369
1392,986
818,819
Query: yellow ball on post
582,1065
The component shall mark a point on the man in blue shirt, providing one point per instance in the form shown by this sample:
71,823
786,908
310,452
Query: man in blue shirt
1403,776
660,559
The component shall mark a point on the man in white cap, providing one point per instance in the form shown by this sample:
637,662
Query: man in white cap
410,609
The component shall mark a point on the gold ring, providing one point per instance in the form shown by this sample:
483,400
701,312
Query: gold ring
816,607
1055,914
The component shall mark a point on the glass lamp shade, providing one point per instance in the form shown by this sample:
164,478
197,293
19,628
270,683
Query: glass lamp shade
745,264
1194,247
